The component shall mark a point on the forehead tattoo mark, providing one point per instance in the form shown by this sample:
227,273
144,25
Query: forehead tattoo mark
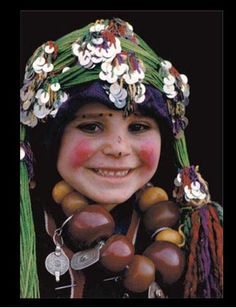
94,115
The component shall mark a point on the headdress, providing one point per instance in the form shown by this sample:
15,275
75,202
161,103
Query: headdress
108,51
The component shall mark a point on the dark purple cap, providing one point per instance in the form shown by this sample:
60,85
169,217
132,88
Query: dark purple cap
154,104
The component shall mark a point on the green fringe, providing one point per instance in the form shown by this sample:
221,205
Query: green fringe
187,222
219,210
29,283
181,152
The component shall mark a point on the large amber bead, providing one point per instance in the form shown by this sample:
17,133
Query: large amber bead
91,224
139,274
117,253
169,260
162,214
60,190
72,202
151,196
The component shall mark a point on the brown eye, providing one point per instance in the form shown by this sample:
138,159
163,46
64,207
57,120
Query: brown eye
138,127
90,127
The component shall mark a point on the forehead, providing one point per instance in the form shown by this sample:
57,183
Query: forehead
94,108
98,109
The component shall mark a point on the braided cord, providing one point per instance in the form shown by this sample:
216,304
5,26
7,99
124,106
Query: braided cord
29,284
181,152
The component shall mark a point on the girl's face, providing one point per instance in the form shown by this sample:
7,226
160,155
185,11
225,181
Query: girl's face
107,157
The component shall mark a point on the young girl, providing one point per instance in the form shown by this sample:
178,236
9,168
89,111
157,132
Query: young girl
106,109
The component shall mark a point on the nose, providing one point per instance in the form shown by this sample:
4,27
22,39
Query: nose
117,146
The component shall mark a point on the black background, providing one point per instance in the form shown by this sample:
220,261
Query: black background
191,40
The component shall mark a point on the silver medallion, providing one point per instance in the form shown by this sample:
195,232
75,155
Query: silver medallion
155,291
57,263
86,258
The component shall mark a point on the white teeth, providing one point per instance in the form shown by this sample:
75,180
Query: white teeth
104,172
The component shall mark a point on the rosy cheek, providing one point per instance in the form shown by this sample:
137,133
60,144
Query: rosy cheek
148,154
81,153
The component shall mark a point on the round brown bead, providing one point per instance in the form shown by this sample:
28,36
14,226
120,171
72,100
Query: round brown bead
60,190
72,202
139,274
117,253
151,196
169,260
162,214
90,224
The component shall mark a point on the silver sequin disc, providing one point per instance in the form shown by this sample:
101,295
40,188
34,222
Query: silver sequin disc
57,263
155,291
83,259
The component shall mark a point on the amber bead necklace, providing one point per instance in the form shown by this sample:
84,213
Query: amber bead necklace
93,226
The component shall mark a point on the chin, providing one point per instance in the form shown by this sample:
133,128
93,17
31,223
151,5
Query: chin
109,198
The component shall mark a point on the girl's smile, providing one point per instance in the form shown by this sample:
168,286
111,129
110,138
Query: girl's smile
107,157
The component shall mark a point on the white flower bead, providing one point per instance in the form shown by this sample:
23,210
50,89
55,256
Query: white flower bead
109,52
26,105
65,69
117,45
90,65
63,97
91,47
120,69
49,49
131,78
97,41
139,99
96,59
130,27
195,185
111,78
84,57
24,94
75,49
169,80
37,68
22,153
40,61
28,118
34,121
141,89
41,111
115,89
103,76
172,95
166,64
97,28
122,95
185,89
44,97
39,92
196,194
169,89
184,78
120,104
202,196
177,183
140,74
179,178
98,52
55,86
48,67
106,67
